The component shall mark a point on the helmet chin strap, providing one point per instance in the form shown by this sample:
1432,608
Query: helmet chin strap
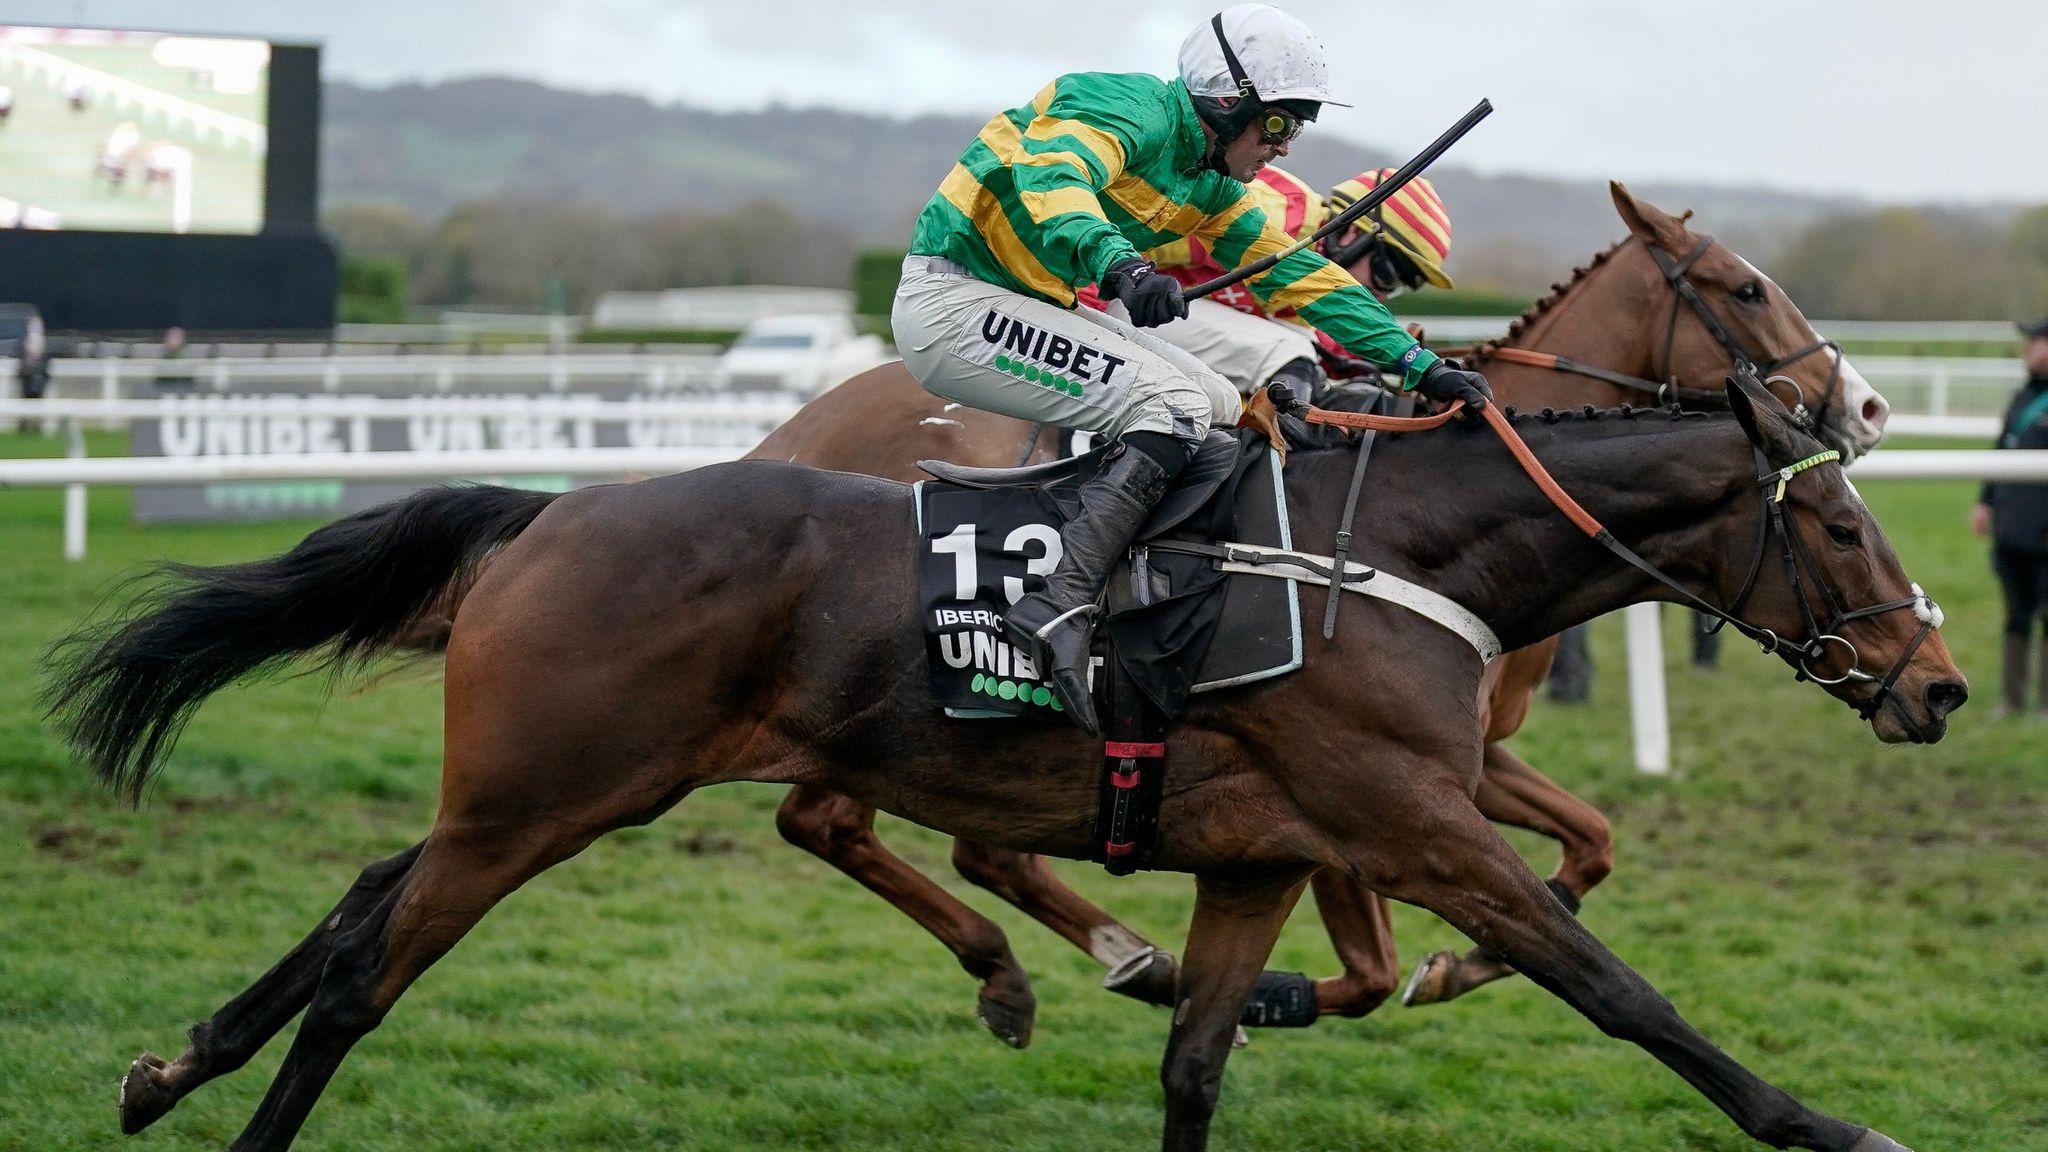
1226,124
1214,159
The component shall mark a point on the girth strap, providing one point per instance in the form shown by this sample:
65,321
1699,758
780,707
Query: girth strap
1282,564
1342,549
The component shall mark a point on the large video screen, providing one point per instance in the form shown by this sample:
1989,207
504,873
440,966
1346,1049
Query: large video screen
132,131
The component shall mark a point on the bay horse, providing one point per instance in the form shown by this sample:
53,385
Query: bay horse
630,644
1617,315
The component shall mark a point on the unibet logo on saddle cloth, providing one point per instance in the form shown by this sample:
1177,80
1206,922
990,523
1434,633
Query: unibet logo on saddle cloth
1044,357
979,553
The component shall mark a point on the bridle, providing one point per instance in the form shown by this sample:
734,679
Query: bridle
1805,655
1822,637
1666,389
1766,371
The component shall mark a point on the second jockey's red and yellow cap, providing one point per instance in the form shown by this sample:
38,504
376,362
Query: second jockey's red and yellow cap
1414,219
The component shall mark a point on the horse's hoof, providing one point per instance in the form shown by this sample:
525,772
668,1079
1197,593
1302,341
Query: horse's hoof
1010,1019
1149,975
1427,985
144,1099
1875,1141
1241,1038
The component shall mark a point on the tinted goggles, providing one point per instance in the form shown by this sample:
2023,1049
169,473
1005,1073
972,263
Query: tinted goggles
1392,271
1279,126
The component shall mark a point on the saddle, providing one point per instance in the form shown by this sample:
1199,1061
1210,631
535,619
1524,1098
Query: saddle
1216,458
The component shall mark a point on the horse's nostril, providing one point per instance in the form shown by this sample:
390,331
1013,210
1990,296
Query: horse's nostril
1945,696
1873,410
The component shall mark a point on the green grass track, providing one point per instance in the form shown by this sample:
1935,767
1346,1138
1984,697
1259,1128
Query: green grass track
1861,924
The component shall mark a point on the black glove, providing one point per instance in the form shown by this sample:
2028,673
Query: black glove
1444,383
1152,298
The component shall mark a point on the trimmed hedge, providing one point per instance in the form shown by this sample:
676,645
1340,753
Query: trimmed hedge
719,336
875,273
372,290
1459,302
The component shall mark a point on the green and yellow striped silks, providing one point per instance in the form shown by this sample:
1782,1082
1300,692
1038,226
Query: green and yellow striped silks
1101,166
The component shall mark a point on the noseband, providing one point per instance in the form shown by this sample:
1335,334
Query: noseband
1806,655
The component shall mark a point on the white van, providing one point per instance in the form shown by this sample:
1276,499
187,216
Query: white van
801,353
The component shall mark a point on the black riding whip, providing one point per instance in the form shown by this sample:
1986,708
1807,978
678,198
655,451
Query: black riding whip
1364,204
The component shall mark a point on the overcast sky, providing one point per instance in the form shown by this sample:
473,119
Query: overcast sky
1881,98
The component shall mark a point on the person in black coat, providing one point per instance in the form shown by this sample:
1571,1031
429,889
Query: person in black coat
2015,516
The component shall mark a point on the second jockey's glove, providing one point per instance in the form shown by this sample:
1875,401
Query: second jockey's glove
1444,383
1152,296
1282,392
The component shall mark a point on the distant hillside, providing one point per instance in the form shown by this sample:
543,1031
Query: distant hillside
433,146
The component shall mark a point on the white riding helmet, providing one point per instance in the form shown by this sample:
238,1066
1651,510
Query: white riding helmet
1281,58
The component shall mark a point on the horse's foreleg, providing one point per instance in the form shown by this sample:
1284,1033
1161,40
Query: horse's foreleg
1363,935
225,1041
1464,872
1513,793
1236,921
841,831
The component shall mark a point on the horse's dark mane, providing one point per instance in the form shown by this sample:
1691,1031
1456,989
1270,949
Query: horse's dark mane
1558,292
1310,439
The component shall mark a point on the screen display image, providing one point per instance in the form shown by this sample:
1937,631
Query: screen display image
132,131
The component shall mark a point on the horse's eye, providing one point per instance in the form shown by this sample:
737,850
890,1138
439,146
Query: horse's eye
1751,292
1844,535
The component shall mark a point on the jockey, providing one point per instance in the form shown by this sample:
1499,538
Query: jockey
1067,191
1398,247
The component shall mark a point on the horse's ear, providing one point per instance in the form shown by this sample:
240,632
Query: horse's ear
1649,223
1745,413
1764,419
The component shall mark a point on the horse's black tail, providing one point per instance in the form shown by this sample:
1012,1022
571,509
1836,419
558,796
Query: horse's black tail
122,688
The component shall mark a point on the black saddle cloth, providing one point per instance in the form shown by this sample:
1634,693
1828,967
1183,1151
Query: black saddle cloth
1175,624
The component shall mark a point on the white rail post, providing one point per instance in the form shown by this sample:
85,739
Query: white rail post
1937,393
1648,718
74,495
110,391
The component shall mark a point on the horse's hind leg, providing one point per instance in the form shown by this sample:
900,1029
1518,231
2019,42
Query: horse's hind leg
460,874
1137,968
1513,793
225,1041
841,831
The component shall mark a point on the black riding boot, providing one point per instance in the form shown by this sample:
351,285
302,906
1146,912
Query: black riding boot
1056,623
2041,683
2013,692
